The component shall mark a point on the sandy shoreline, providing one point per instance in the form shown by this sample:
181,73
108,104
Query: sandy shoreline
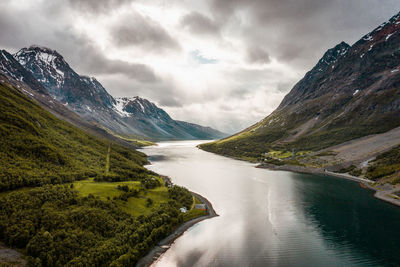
379,193
164,244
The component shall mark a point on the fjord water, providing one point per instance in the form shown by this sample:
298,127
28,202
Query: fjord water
275,218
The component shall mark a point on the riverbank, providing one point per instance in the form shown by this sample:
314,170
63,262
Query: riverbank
164,244
384,193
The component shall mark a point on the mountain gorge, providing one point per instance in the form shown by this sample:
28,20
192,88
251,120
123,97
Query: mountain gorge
352,92
47,73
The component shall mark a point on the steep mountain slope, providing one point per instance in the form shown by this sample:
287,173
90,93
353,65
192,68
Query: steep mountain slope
83,95
37,148
156,123
88,98
353,91
51,218
11,70
14,74
61,81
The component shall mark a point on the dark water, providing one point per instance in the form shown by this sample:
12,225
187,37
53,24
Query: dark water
276,218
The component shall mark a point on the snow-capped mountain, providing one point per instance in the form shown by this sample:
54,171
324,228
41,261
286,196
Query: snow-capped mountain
154,121
13,74
61,81
11,70
90,100
127,106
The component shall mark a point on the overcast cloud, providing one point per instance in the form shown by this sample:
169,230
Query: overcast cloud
200,24
221,63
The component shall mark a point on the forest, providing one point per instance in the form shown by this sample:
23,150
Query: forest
57,227
43,215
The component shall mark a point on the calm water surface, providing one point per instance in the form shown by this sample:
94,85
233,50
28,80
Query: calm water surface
276,218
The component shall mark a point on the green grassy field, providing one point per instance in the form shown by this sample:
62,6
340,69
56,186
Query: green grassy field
102,190
134,205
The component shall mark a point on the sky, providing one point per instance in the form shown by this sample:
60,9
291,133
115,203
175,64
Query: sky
220,63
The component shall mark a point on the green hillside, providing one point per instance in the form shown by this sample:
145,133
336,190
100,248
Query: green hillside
387,166
36,148
72,199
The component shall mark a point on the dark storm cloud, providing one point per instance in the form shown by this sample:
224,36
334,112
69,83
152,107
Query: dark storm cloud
295,33
97,64
22,28
19,26
257,55
299,31
9,35
137,30
199,24
170,102
88,58
284,87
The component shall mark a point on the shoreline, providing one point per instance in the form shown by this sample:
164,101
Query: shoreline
380,194
156,252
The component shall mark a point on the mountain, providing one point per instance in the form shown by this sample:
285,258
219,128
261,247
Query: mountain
156,123
81,94
37,148
90,100
61,81
352,92
12,73
10,69
68,198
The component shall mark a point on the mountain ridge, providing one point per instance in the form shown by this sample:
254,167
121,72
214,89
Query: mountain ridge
89,99
352,92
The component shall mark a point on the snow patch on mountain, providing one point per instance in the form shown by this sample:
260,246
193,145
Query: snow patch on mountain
47,61
119,107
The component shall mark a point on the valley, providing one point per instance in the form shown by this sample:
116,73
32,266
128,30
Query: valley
102,165
67,196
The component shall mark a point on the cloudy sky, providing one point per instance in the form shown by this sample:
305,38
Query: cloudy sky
222,63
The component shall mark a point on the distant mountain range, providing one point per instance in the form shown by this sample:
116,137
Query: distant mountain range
352,92
46,76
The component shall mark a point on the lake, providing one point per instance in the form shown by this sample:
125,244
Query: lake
275,218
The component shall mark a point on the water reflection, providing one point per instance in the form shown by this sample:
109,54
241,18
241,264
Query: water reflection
275,218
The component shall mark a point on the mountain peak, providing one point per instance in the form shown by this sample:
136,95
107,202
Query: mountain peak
41,53
332,55
136,105
49,64
41,48
61,81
